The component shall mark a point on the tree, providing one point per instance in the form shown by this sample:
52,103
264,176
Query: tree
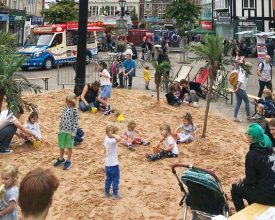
185,12
12,84
160,70
213,53
61,12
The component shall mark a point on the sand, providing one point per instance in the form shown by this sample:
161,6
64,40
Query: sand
149,189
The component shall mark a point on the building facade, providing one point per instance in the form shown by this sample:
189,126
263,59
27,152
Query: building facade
232,16
17,17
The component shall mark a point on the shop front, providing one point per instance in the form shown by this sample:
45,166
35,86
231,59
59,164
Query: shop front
224,27
16,26
3,22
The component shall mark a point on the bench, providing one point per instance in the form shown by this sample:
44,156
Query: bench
250,212
44,78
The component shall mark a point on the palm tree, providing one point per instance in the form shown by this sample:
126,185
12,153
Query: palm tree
212,51
13,84
160,70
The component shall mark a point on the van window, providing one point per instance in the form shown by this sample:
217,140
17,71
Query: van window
90,38
39,40
71,37
57,39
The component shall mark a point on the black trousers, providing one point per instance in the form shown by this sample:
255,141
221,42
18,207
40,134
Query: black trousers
129,79
264,84
6,135
161,154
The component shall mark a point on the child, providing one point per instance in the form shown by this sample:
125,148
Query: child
171,98
111,161
33,126
177,91
67,131
114,71
147,76
8,202
187,130
132,136
265,105
106,89
170,148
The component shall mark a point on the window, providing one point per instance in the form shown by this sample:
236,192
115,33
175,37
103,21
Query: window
249,3
112,10
57,40
94,11
221,4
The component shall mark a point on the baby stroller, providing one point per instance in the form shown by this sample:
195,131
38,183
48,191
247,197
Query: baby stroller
203,193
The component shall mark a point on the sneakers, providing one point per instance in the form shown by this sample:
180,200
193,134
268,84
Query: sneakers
195,105
145,143
67,165
6,151
131,148
106,195
117,196
237,120
178,141
59,162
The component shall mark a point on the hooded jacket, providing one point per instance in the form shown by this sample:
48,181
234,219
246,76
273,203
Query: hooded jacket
260,172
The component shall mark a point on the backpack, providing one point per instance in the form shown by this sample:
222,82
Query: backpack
233,78
263,66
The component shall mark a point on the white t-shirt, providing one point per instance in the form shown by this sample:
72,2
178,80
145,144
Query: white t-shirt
104,80
170,140
130,134
111,147
6,118
35,129
266,72
242,79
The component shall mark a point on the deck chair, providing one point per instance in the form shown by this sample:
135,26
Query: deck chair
202,76
183,73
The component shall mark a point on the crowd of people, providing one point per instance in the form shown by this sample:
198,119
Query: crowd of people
35,193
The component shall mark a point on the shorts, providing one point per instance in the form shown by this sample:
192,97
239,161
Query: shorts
65,140
106,91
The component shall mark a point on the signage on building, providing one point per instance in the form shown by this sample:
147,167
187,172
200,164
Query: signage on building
223,18
37,20
152,19
247,23
206,25
19,18
3,17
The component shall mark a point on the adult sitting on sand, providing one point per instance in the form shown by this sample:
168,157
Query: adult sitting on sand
36,193
258,183
88,97
270,131
8,128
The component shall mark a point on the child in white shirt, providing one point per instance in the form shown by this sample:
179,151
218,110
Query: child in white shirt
33,126
111,162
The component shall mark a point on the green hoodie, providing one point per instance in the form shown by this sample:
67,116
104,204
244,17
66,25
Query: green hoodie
257,133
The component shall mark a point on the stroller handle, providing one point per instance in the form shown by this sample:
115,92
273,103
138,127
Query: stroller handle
190,166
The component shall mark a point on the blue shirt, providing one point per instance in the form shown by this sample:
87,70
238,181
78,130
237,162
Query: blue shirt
128,65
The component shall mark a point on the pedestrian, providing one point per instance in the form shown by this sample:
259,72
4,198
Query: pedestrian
257,186
240,91
109,41
128,71
67,131
270,49
9,124
150,47
143,47
264,72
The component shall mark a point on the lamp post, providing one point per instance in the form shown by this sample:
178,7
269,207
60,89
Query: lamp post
122,4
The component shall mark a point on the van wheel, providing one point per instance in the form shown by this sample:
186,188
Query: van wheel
48,64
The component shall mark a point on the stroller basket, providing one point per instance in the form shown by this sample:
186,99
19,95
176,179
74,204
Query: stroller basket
203,192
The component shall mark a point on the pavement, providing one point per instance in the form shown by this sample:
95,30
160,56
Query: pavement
219,107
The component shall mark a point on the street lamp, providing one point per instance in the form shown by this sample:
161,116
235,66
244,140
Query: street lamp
122,4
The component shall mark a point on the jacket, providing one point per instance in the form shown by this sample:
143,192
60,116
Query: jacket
260,172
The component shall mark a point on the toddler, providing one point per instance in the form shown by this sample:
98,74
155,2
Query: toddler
9,195
67,131
132,136
171,98
111,161
106,89
168,143
265,105
147,76
187,130
33,126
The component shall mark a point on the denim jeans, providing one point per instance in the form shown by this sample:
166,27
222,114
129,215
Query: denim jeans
6,135
241,96
84,107
264,84
112,178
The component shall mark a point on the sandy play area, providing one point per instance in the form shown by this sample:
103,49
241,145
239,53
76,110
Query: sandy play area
149,189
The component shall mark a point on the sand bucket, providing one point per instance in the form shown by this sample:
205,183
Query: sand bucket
120,118
36,144
94,110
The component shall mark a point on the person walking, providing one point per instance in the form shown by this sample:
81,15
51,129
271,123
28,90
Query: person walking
270,49
264,72
240,91
143,47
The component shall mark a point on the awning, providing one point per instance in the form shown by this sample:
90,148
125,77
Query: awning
201,31
262,34
245,32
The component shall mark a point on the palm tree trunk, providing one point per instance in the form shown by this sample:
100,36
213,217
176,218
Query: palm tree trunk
207,108
158,91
